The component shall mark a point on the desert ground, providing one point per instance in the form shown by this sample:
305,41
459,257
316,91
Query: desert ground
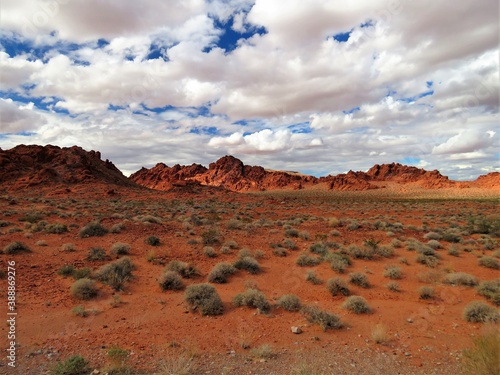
397,251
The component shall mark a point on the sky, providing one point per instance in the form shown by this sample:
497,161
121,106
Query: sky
318,86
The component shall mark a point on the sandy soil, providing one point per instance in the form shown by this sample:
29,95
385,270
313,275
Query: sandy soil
157,329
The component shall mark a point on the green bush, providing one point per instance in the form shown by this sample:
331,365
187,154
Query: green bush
80,311
289,302
357,305
460,278
318,248
485,225
324,319
393,272
16,248
432,236
66,270
248,264
489,262
426,250
311,277
97,254
385,251
427,260
252,298
358,253
339,262
231,244
117,228
359,279
56,228
116,273
393,286
280,252
152,241
210,237
292,233
119,248
84,289
337,286
171,280
221,272
184,269
434,244
68,248
305,260
480,312
454,250
209,252
75,365
81,273
451,236
93,229
491,290
290,244
426,292
204,298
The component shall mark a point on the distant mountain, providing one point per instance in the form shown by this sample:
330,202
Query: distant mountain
45,166
29,166
230,173
404,174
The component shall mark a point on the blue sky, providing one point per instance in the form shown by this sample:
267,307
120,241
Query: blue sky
316,86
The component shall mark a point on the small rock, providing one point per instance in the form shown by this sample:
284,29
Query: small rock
407,354
296,330
95,372
409,320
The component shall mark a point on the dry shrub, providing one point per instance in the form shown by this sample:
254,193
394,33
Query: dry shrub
483,357
380,334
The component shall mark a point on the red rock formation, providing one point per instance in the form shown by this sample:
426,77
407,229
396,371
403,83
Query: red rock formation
162,177
404,174
488,181
227,172
26,166
230,173
350,181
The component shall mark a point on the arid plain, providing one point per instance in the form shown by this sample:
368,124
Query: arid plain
200,279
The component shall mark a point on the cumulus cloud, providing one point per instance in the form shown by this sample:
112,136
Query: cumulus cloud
466,141
262,141
18,118
322,85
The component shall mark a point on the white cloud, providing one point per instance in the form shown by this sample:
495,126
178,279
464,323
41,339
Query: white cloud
466,141
296,73
16,118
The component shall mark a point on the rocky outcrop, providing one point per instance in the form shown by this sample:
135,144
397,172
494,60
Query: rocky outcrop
227,172
163,177
404,174
230,173
350,181
27,166
488,181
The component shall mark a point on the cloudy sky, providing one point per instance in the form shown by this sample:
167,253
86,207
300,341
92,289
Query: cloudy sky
317,86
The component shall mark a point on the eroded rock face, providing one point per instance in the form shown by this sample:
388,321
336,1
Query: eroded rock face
25,166
488,181
163,177
351,181
230,173
227,172
405,174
